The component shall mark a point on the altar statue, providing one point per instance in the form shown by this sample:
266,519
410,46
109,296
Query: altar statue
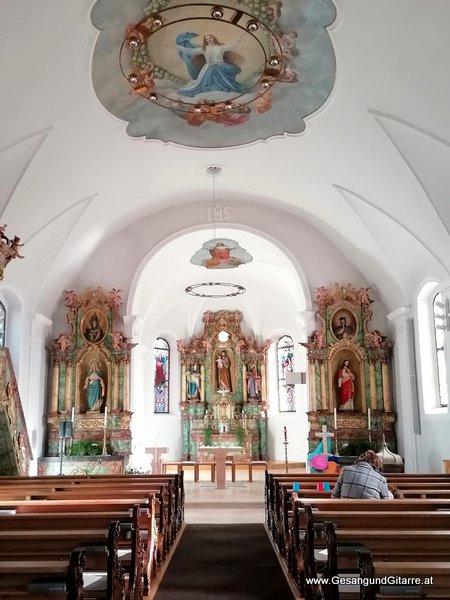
223,372
95,387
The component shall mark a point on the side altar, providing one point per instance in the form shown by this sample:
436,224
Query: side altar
223,391
349,371
90,377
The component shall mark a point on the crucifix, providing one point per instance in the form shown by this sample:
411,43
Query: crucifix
324,435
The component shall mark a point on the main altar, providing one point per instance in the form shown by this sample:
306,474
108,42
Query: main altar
223,390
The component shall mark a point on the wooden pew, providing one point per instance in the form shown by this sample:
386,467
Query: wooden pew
371,569
43,579
175,483
308,537
165,515
140,513
101,552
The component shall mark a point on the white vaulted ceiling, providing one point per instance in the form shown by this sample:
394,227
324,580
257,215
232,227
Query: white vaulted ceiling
370,171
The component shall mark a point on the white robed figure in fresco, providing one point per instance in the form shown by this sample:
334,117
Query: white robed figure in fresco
210,65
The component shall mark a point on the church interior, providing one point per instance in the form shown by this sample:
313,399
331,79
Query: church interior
224,239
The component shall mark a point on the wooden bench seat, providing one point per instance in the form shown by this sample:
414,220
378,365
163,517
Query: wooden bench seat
40,579
101,555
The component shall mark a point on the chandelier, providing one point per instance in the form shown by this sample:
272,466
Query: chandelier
221,258
160,53
214,289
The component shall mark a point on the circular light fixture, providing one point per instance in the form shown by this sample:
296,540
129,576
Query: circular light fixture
216,289
141,51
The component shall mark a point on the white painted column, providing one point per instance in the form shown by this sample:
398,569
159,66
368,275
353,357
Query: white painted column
405,381
35,404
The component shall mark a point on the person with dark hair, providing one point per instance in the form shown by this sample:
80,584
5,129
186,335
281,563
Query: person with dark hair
363,479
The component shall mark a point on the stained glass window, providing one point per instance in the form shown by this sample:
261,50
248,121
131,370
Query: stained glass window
162,369
441,313
285,364
2,323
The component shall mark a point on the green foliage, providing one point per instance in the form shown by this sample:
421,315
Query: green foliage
207,435
84,448
356,447
240,435
132,470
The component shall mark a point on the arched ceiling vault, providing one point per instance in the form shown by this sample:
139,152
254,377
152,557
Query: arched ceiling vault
369,171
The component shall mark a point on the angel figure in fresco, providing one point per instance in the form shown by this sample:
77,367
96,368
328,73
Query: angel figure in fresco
210,65
346,386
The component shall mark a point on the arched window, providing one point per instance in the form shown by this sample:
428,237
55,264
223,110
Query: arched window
441,317
285,365
162,371
2,324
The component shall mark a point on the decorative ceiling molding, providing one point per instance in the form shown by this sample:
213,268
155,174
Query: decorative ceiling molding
213,75
15,160
379,117
345,192
85,201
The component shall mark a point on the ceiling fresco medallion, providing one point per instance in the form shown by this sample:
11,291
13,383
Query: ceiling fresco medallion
221,254
213,75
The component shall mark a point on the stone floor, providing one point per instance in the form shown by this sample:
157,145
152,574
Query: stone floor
240,502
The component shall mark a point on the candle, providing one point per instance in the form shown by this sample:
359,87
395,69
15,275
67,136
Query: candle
368,420
335,418
285,434
106,416
73,414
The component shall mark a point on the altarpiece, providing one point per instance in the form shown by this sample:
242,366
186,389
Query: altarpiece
224,394
349,370
90,374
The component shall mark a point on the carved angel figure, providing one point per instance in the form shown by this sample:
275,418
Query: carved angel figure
63,343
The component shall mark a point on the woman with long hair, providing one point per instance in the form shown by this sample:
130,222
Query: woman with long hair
210,65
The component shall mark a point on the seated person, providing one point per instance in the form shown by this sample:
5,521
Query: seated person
363,479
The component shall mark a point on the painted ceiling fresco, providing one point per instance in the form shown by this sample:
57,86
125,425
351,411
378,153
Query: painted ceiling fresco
213,75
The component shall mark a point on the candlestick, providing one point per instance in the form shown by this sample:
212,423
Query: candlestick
106,417
335,418
369,423
285,434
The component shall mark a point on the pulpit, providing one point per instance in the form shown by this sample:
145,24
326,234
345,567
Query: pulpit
220,455
156,460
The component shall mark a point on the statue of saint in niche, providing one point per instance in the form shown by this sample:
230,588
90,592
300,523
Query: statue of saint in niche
223,372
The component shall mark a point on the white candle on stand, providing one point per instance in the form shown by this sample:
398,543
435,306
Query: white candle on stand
335,418
368,420
106,416
73,413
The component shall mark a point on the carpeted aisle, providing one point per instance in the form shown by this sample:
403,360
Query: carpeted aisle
224,562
